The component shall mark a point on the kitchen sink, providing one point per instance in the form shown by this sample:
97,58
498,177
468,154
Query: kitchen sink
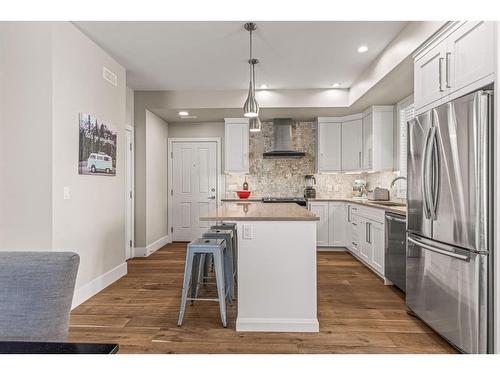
389,203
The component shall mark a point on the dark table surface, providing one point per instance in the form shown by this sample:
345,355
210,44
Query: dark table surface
23,347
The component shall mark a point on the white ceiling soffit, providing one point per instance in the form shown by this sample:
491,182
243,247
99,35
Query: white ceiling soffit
213,55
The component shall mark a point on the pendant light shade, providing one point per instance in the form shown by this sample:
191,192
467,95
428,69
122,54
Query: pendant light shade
255,124
251,107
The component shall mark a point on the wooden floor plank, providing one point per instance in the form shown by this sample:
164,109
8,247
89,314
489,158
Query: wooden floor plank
356,311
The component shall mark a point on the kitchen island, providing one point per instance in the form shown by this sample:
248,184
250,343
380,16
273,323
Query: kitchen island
276,265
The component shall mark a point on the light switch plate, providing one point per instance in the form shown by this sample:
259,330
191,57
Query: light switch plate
330,188
337,188
66,192
247,231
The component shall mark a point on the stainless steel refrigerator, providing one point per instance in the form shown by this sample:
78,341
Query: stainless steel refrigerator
449,237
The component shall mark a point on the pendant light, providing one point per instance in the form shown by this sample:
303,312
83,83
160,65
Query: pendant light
255,124
251,107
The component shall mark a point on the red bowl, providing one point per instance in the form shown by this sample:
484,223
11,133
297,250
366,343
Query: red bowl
243,194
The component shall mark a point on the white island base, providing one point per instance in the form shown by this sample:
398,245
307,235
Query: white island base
277,276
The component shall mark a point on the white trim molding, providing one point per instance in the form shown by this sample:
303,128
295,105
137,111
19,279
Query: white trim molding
142,252
93,287
277,325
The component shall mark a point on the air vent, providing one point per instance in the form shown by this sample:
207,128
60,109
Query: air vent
109,76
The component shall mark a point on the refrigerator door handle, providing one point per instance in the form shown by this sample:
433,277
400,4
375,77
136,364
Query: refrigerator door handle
424,175
433,185
439,251
481,117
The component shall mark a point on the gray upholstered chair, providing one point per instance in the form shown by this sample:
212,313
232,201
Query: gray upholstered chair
36,291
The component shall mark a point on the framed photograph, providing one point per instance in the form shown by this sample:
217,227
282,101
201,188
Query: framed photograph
97,151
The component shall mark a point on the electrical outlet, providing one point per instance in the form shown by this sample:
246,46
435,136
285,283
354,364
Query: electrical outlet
337,188
330,188
247,231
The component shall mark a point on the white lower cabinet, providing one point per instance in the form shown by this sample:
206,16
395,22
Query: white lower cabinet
322,226
358,228
331,227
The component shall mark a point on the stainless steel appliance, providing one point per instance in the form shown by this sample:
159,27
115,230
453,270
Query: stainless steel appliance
378,194
299,201
395,249
310,191
449,267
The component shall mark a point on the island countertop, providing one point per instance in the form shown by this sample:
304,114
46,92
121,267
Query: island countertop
258,211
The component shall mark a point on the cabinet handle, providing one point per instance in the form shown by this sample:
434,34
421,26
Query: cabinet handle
354,243
321,160
440,65
448,55
369,233
359,159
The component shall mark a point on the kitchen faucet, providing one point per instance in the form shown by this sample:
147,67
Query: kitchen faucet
398,178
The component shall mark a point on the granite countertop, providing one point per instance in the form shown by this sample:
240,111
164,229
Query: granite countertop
257,211
401,210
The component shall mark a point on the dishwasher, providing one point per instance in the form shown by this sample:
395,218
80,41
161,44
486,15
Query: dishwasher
395,249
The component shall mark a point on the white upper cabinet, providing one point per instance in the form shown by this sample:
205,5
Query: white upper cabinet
352,145
470,54
428,76
329,146
236,145
378,138
459,60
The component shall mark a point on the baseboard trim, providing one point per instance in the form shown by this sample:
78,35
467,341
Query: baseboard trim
142,252
277,325
332,248
93,287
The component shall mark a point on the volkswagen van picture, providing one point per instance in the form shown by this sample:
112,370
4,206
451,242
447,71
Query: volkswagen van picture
99,162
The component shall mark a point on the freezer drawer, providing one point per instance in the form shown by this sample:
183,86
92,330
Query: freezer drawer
447,288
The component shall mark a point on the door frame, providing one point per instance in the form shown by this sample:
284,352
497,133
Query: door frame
129,232
218,175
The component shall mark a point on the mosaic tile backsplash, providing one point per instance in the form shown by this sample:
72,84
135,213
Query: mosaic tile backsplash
285,177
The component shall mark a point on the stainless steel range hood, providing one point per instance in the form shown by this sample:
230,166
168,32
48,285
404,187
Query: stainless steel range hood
282,141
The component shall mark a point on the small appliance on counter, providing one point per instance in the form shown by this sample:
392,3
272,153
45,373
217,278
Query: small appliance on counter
359,189
378,194
310,191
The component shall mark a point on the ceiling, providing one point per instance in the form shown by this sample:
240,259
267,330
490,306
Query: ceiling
213,55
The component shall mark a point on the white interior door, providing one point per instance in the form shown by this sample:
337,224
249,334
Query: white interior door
194,187
129,194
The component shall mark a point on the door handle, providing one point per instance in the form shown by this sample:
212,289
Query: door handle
212,197
448,54
440,76
424,176
438,250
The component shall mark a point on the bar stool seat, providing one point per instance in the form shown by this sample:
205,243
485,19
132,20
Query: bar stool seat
227,236
195,249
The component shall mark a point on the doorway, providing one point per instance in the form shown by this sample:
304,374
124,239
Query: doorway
194,185
129,193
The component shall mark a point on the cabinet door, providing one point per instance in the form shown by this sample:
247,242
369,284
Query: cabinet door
368,142
469,55
236,147
337,224
329,146
428,74
321,210
365,248
377,242
352,145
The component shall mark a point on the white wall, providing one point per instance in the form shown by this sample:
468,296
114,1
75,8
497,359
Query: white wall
50,72
25,136
151,190
92,221
156,178
196,130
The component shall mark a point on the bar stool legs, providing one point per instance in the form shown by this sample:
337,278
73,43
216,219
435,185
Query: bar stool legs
188,269
221,290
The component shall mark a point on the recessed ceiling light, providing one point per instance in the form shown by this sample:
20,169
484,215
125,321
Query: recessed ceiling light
336,84
183,113
362,49
263,86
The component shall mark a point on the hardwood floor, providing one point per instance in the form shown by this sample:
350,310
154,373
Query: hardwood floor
357,314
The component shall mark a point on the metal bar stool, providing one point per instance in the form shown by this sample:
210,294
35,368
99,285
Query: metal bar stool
233,227
195,249
226,235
